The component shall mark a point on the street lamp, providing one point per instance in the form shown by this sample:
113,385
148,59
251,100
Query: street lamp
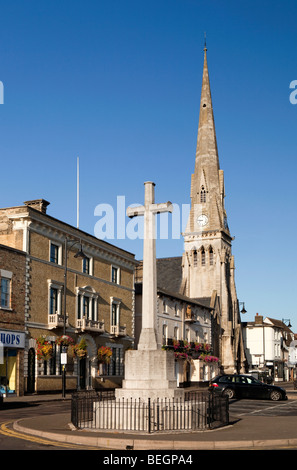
284,320
243,310
79,254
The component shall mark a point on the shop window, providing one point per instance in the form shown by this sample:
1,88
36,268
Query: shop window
8,370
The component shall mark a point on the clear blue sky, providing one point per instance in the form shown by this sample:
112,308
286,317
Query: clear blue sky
117,83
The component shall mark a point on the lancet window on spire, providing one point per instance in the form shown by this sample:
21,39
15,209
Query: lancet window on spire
203,194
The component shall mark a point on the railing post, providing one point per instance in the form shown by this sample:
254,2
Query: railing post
149,415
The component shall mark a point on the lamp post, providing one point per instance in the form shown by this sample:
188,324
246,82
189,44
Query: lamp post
284,320
243,310
79,254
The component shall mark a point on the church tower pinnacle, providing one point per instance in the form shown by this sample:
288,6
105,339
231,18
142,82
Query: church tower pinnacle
208,263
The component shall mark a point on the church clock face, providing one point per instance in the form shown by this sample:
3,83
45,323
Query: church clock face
202,220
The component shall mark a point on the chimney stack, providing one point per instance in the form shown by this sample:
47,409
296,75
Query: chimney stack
38,204
258,319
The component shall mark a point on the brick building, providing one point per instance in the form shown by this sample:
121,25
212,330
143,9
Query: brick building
98,309
12,319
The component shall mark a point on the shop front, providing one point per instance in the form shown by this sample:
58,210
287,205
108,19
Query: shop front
12,344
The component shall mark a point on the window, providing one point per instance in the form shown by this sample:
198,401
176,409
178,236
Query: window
5,292
55,253
202,194
87,303
177,310
164,333
5,288
115,314
86,265
86,306
115,274
202,256
188,335
195,258
55,297
115,327
115,366
210,256
53,301
176,333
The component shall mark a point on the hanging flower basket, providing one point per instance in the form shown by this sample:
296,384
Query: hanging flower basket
44,349
181,355
202,347
80,349
104,355
64,340
208,358
188,351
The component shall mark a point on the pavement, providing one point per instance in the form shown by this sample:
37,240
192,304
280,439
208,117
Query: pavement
250,432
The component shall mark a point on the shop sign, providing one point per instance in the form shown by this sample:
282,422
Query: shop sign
12,339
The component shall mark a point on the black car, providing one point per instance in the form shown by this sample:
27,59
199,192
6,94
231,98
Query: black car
245,386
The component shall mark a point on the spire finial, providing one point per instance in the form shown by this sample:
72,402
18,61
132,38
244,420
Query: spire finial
205,48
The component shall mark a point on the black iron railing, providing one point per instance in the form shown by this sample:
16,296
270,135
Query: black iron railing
196,411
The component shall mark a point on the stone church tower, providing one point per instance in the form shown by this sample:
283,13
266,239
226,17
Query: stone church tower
208,264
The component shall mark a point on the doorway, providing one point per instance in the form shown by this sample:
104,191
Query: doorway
82,369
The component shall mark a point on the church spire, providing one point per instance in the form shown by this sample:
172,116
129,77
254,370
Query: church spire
206,140
207,185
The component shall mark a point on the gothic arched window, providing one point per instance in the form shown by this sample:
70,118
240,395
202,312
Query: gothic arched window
211,256
202,256
195,258
202,194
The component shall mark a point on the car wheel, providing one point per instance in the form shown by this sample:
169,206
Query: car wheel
275,395
229,393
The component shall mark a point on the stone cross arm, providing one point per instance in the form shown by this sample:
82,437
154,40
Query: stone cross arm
152,208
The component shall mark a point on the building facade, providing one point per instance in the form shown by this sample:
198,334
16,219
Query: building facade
267,343
208,264
80,291
12,320
183,324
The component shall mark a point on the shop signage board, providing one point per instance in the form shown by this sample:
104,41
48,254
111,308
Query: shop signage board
12,339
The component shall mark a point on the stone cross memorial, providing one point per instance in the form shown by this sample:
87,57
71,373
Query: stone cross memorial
149,371
147,338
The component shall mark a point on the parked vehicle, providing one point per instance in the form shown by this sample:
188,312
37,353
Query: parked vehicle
246,386
5,391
